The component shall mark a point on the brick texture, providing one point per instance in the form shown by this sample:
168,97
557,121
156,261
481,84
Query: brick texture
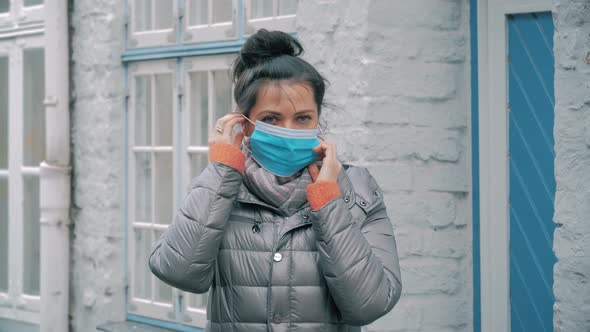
572,149
400,91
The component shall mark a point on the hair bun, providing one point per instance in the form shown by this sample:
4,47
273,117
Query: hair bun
265,45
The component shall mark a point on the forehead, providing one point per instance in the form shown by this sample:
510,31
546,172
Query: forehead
283,93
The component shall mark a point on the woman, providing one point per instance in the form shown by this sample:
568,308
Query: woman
283,235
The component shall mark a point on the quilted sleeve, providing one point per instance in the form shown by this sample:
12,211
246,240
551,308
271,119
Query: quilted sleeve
184,257
358,259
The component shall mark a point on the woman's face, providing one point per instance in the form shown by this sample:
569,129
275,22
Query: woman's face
287,105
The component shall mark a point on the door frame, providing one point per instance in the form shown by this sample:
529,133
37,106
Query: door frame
493,157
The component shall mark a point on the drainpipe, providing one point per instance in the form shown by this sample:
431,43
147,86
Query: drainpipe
55,173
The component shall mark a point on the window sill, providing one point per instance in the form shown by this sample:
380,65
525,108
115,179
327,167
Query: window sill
129,326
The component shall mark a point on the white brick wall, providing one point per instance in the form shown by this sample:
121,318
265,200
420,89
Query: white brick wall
400,87
572,165
98,248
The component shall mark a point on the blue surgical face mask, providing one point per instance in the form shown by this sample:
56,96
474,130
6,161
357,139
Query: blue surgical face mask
283,151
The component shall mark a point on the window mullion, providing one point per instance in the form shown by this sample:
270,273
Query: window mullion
210,12
153,14
211,100
153,172
16,181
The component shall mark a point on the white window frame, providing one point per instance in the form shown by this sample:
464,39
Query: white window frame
208,63
158,310
493,154
16,304
221,31
284,23
211,57
152,38
21,19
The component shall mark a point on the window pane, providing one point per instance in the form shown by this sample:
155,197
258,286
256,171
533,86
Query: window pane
4,6
3,235
261,8
163,191
4,113
163,291
198,10
164,14
163,109
143,15
142,287
198,163
143,187
31,235
199,114
287,7
223,97
222,11
33,113
143,111
33,2
198,301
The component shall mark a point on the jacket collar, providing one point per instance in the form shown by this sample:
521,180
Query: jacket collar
344,184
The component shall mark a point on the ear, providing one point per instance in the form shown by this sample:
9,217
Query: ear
248,128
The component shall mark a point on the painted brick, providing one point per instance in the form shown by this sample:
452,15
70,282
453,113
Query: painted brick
441,176
400,90
405,317
393,176
572,197
415,241
452,314
98,248
395,44
434,14
416,80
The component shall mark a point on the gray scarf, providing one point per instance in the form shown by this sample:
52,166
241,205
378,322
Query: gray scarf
286,193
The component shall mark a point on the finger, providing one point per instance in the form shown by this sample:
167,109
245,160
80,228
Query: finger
314,171
229,125
224,119
320,147
331,151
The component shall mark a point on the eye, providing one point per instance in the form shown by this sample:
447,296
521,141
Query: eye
269,119
304,118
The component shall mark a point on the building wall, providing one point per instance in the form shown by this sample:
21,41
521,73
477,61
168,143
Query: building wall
400,91
572,165
97,119
399,76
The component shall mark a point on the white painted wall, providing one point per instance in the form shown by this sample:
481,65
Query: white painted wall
97,119
400,85
572,165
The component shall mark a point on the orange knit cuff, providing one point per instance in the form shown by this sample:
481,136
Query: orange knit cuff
321,192
227,154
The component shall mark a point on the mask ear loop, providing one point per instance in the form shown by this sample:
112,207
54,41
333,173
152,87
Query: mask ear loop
244,138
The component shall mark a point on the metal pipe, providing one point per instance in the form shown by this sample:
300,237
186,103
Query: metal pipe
56,173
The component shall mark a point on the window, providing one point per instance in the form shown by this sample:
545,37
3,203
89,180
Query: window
209,20
22,148
278,14
17,14
178,85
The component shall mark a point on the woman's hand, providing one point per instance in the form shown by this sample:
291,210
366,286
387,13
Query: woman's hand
227,122
331,166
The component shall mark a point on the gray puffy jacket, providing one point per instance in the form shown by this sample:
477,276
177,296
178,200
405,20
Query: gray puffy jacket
334,269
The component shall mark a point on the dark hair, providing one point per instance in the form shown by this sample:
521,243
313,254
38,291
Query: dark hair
272,56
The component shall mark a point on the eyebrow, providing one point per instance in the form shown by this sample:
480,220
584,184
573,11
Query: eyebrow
278,113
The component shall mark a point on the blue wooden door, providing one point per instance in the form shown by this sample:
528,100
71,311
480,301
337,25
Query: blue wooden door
532,179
